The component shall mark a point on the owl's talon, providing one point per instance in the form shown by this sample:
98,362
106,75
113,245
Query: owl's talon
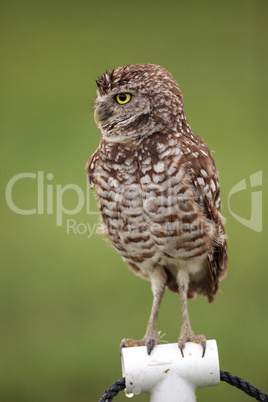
128,342
150,343
181,346
121,347
192,338
204,345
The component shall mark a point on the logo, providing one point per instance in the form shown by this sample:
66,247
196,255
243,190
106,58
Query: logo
47,193
51,200
255,220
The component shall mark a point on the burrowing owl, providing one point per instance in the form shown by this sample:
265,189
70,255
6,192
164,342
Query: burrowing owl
157,190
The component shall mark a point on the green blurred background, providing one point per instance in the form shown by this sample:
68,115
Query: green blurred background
67,299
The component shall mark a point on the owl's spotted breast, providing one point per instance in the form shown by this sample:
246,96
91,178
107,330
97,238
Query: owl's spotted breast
148,204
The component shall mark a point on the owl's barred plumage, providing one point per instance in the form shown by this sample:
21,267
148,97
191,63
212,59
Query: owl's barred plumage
157,189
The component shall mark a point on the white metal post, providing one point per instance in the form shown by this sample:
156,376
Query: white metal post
166,375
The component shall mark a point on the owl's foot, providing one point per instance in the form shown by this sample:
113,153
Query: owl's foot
190,337
149,342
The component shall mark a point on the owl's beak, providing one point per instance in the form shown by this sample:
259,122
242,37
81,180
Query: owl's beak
101,115
96,117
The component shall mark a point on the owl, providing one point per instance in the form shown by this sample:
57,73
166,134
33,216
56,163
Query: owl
157,191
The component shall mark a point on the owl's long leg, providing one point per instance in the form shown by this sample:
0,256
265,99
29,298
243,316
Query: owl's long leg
158,289
187,334
150,339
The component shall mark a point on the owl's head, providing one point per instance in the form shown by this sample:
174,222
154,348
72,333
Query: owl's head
136,101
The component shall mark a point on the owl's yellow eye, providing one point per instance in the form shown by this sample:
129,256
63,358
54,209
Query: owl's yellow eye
123,98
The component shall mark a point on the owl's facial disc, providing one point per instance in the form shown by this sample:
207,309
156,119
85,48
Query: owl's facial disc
118,107
109,108
105,110
119,111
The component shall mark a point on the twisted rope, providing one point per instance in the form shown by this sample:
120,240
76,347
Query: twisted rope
237,382
245,386
113,390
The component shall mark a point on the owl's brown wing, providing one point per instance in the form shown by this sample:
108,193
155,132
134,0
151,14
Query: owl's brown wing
90,166
207,192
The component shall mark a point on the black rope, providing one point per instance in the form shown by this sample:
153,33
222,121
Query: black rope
113,390
237,382
245,386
